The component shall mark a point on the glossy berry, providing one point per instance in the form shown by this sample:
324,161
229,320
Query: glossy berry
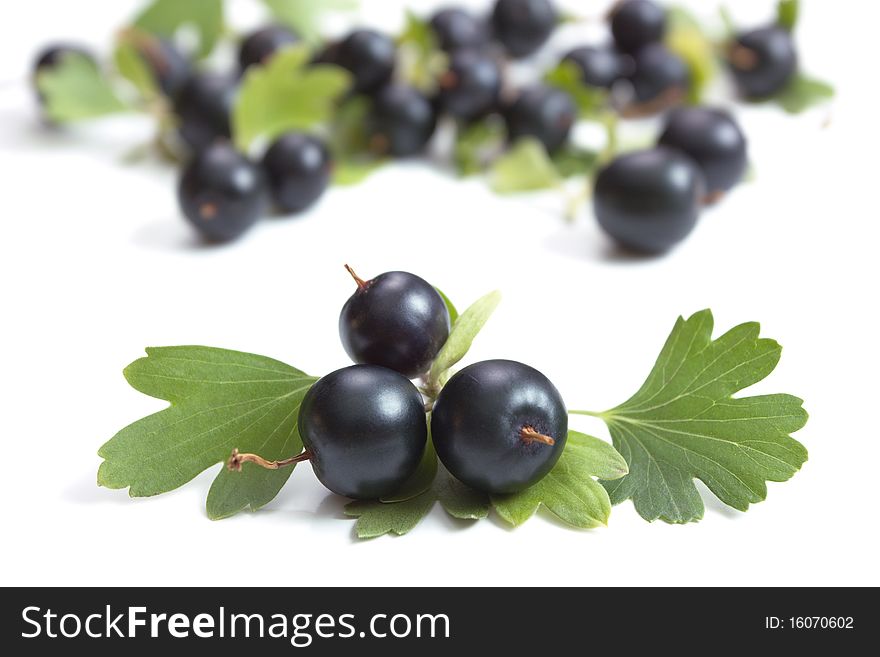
401,121
260,45
659,75
397,320
298,168
470,88
648,201
713,140
499,426
203,108
523,26
599,67
456,28
543,112
636,23
222,193
367,55
365,429
763,61
53,55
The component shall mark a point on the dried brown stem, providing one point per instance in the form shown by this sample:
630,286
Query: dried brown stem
238,459
361,283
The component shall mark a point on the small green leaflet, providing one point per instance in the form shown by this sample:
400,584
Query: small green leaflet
787,13
420,61
569,491
465,329
353,161
131,63
220,400
684,423
574,161
375,518
75,89
453,311
165,17
526,167
305,16
802,93
286,94
477,144
688,40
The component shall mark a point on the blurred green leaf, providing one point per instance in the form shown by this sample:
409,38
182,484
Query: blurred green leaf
526,167
306,16
802,93
573,161
787,14
478,144
687,38
75,89
590,101
165,17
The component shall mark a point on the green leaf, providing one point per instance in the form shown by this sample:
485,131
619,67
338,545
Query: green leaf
684,423
574,161
75,89
802,93
453,313
353,161
465,329
477,144
165,17
286,94
688,40
220,400
569,491
526,167
132,67
420,60
787,13
375,518
354,171
305,16
590,101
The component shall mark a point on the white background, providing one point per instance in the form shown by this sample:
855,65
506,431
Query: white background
95,264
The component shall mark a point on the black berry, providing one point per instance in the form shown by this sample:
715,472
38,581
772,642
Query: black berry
636,23
401,121
396,320
763,61
713,140
367,55
222,193
599,67
469,89
648,201
499,426
456,28
542,112
523,26
260,45
298,168
364,428
659,76
203,108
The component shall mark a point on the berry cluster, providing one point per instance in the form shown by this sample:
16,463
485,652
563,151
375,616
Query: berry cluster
498,426
646,201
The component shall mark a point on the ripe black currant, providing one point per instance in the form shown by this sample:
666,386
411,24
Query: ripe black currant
367,55
763,61
470,88
714,140
298,170
542,112
660,76
260,45
456,28
523,26
364,430
401,121
396,320
499,426
222,193
203,108
648,201
636,23
599,67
